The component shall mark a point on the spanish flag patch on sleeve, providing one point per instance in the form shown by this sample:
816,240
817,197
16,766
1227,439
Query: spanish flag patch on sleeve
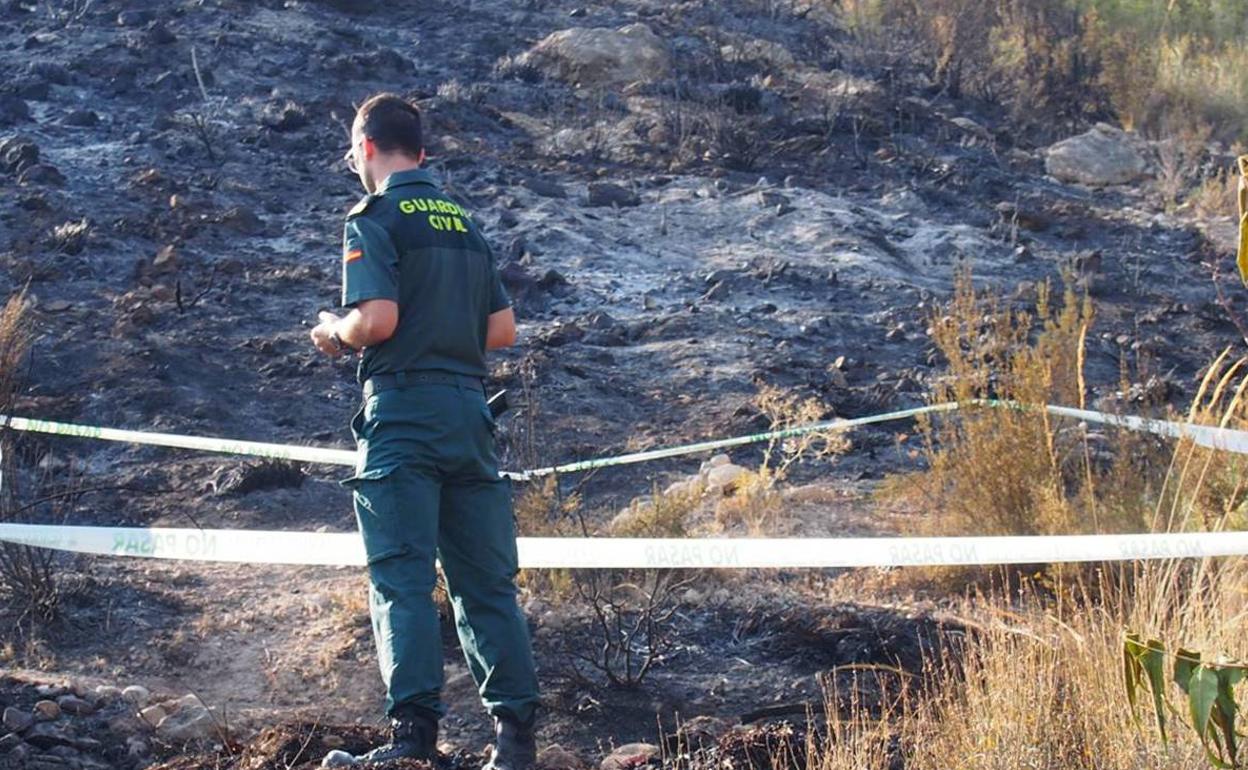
352,254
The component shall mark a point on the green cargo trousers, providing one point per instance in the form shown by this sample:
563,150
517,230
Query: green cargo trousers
426,486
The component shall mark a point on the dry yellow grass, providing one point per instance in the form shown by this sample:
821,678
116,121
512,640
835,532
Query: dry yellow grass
1038,682
1216,196
1006,471
16,336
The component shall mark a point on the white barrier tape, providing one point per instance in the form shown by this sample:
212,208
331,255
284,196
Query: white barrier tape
290,452
755,438
1206,435
1227,439
202,443
348,457
347,549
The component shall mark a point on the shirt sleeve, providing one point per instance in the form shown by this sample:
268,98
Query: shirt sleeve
370,264
498,295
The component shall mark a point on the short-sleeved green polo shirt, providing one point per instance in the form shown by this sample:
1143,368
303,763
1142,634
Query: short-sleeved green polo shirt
411,243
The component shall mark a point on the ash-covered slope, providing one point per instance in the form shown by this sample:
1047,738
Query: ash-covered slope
768,199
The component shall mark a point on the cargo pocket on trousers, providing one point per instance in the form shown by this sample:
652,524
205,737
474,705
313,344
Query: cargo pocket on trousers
376,512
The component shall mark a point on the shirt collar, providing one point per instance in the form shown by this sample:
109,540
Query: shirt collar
410,176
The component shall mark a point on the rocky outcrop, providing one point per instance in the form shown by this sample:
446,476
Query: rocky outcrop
598,56
1100,157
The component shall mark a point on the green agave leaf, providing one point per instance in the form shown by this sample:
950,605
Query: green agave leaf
1133,674
1202,694
1226,708
1154,662
1185,663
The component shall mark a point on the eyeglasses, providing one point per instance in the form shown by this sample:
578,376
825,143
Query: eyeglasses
350,158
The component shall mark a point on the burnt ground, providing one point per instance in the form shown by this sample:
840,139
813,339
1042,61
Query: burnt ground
177,241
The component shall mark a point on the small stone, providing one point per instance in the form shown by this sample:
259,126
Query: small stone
9,742
82,118
189,701
164,292
165,261
608,194
562,334
724,477
190,720
18,153
47,710
188,726
45,735
138,695
556,757
972,128
545,187
286,116
108,692
41,174
50,71
72,704
148,177
702,732
13,110
338,758
159,34
153,714
16,720
551,279
715,462
32,89
243,220
629,756
684,487
515,277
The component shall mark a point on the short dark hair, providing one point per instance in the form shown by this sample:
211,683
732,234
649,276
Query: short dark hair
392,123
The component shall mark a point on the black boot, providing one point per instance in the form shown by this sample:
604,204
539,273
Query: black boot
413,735
515,745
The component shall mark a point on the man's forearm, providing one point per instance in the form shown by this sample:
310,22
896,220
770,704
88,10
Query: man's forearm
356,331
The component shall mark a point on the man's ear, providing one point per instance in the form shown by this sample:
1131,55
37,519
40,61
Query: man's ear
370,149
421,159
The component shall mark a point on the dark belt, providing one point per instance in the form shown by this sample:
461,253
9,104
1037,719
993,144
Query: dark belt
382,382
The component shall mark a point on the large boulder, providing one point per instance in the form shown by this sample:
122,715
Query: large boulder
1100,157
598,56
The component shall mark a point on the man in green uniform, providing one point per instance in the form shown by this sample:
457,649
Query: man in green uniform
426,303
